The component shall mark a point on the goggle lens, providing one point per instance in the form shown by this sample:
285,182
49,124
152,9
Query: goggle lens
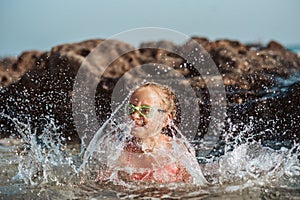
145,111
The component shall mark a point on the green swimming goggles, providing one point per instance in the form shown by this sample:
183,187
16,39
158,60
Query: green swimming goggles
145,111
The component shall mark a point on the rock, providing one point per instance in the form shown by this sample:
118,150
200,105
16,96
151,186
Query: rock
46,89
273,45
12,69
6,71
39,85
273,117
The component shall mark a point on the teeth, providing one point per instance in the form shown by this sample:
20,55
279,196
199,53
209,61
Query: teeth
139,123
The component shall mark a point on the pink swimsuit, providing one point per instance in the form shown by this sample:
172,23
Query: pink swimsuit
169,173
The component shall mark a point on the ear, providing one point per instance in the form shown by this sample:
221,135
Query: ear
167,119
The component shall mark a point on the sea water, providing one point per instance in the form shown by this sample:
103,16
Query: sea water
41,165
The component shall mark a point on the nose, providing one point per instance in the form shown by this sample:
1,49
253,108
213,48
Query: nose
135,115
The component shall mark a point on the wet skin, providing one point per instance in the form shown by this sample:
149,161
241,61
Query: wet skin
147,127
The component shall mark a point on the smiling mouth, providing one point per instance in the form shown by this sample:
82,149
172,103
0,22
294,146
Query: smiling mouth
139,123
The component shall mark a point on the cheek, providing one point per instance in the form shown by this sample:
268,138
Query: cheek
155,123
146,120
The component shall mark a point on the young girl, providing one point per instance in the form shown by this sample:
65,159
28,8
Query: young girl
154,154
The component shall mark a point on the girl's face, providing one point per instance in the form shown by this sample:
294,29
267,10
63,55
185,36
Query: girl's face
150,124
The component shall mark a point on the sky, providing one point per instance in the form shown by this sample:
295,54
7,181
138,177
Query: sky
42,24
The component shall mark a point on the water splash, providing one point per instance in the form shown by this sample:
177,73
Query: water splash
43,157
260,165
249,162
103,155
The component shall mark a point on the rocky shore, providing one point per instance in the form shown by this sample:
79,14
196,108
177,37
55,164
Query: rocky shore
38,85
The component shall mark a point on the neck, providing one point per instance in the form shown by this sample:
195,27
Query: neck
147,144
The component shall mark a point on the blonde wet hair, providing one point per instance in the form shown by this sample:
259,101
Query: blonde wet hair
167,95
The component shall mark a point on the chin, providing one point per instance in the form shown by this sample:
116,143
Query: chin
138,131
